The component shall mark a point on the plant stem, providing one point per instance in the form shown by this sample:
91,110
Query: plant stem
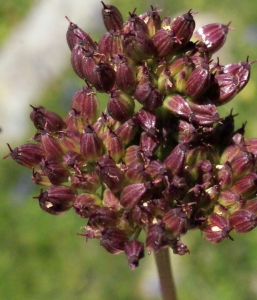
162,259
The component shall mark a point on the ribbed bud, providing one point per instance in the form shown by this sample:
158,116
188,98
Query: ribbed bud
156,238
246,186
102,218
110,201
134,251
204,114
44,119
178,106
54,170
243,221
213,36
110,174
157,170
224,176
243,164
69,139
90,144
113,240
77,57
251,145
114,146
27,155
132,194
146,120
175,162
125,73
85,102
110,44
231,152
134,23
231,200
56,199
136,173
138,46
175,222
153,21
112,17
149,96
133,154
51,145
217,230
86,204
127,131
165,42
183,27
120,106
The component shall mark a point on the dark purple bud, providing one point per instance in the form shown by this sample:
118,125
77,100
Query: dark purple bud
152,20
212,35
125,73
51,146
224,176
198,81
176,189
127,131
136,173
132,194
243,221
110,44
56,199
133,154
27,155
156,238
90,145
251,206
113,240
175,222
134,23
89,182
143,215
114,146
112,17
69,139
110,201
85,102
204,172
156,169
165,42
102,218
246,186
149,96
75,34
178,247
242,164
217,230
54,170
231,200
175,162
148,144
183,27
110,173
120,106
184,132
77,57
86,204
44,119
134,251
138,46
178,106
146,120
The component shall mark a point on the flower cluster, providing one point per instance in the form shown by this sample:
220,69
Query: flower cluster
159,158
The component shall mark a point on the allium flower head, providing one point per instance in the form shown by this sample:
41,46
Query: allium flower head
159,158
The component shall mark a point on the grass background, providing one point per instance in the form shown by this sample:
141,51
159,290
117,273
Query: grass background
41,255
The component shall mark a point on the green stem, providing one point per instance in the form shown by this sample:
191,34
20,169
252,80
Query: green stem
162,259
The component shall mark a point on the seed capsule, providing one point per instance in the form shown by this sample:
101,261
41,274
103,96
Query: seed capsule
56,199
175,222
134,251
27,155
112,17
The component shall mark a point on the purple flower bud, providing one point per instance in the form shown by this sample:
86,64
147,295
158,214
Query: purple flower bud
110,174
178,106
143,215
69,139
77,57
251,145
73,160
134,23
218,229
44,119
110,44
231,200
148,144
90,144
133,154
251,206
54,170
243,221
110,201
149,96
165,42
132,194
152,19
156,169
86,204
27,155
136,173
113,240
89,182
156,238
231,152
243,164
212,35
102,218
175,222
85,102
225,176
75,34
138,46
112,17
134,251
183,27
114,146
127,131
51,145
120,106
56,199
125,73
147,120
246,186
175,162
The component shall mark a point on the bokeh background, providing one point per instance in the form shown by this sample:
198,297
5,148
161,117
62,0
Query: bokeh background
41,257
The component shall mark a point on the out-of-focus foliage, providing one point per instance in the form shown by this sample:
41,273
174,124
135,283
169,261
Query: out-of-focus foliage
41,256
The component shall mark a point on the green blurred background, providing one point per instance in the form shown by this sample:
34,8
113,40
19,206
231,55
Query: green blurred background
41,255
